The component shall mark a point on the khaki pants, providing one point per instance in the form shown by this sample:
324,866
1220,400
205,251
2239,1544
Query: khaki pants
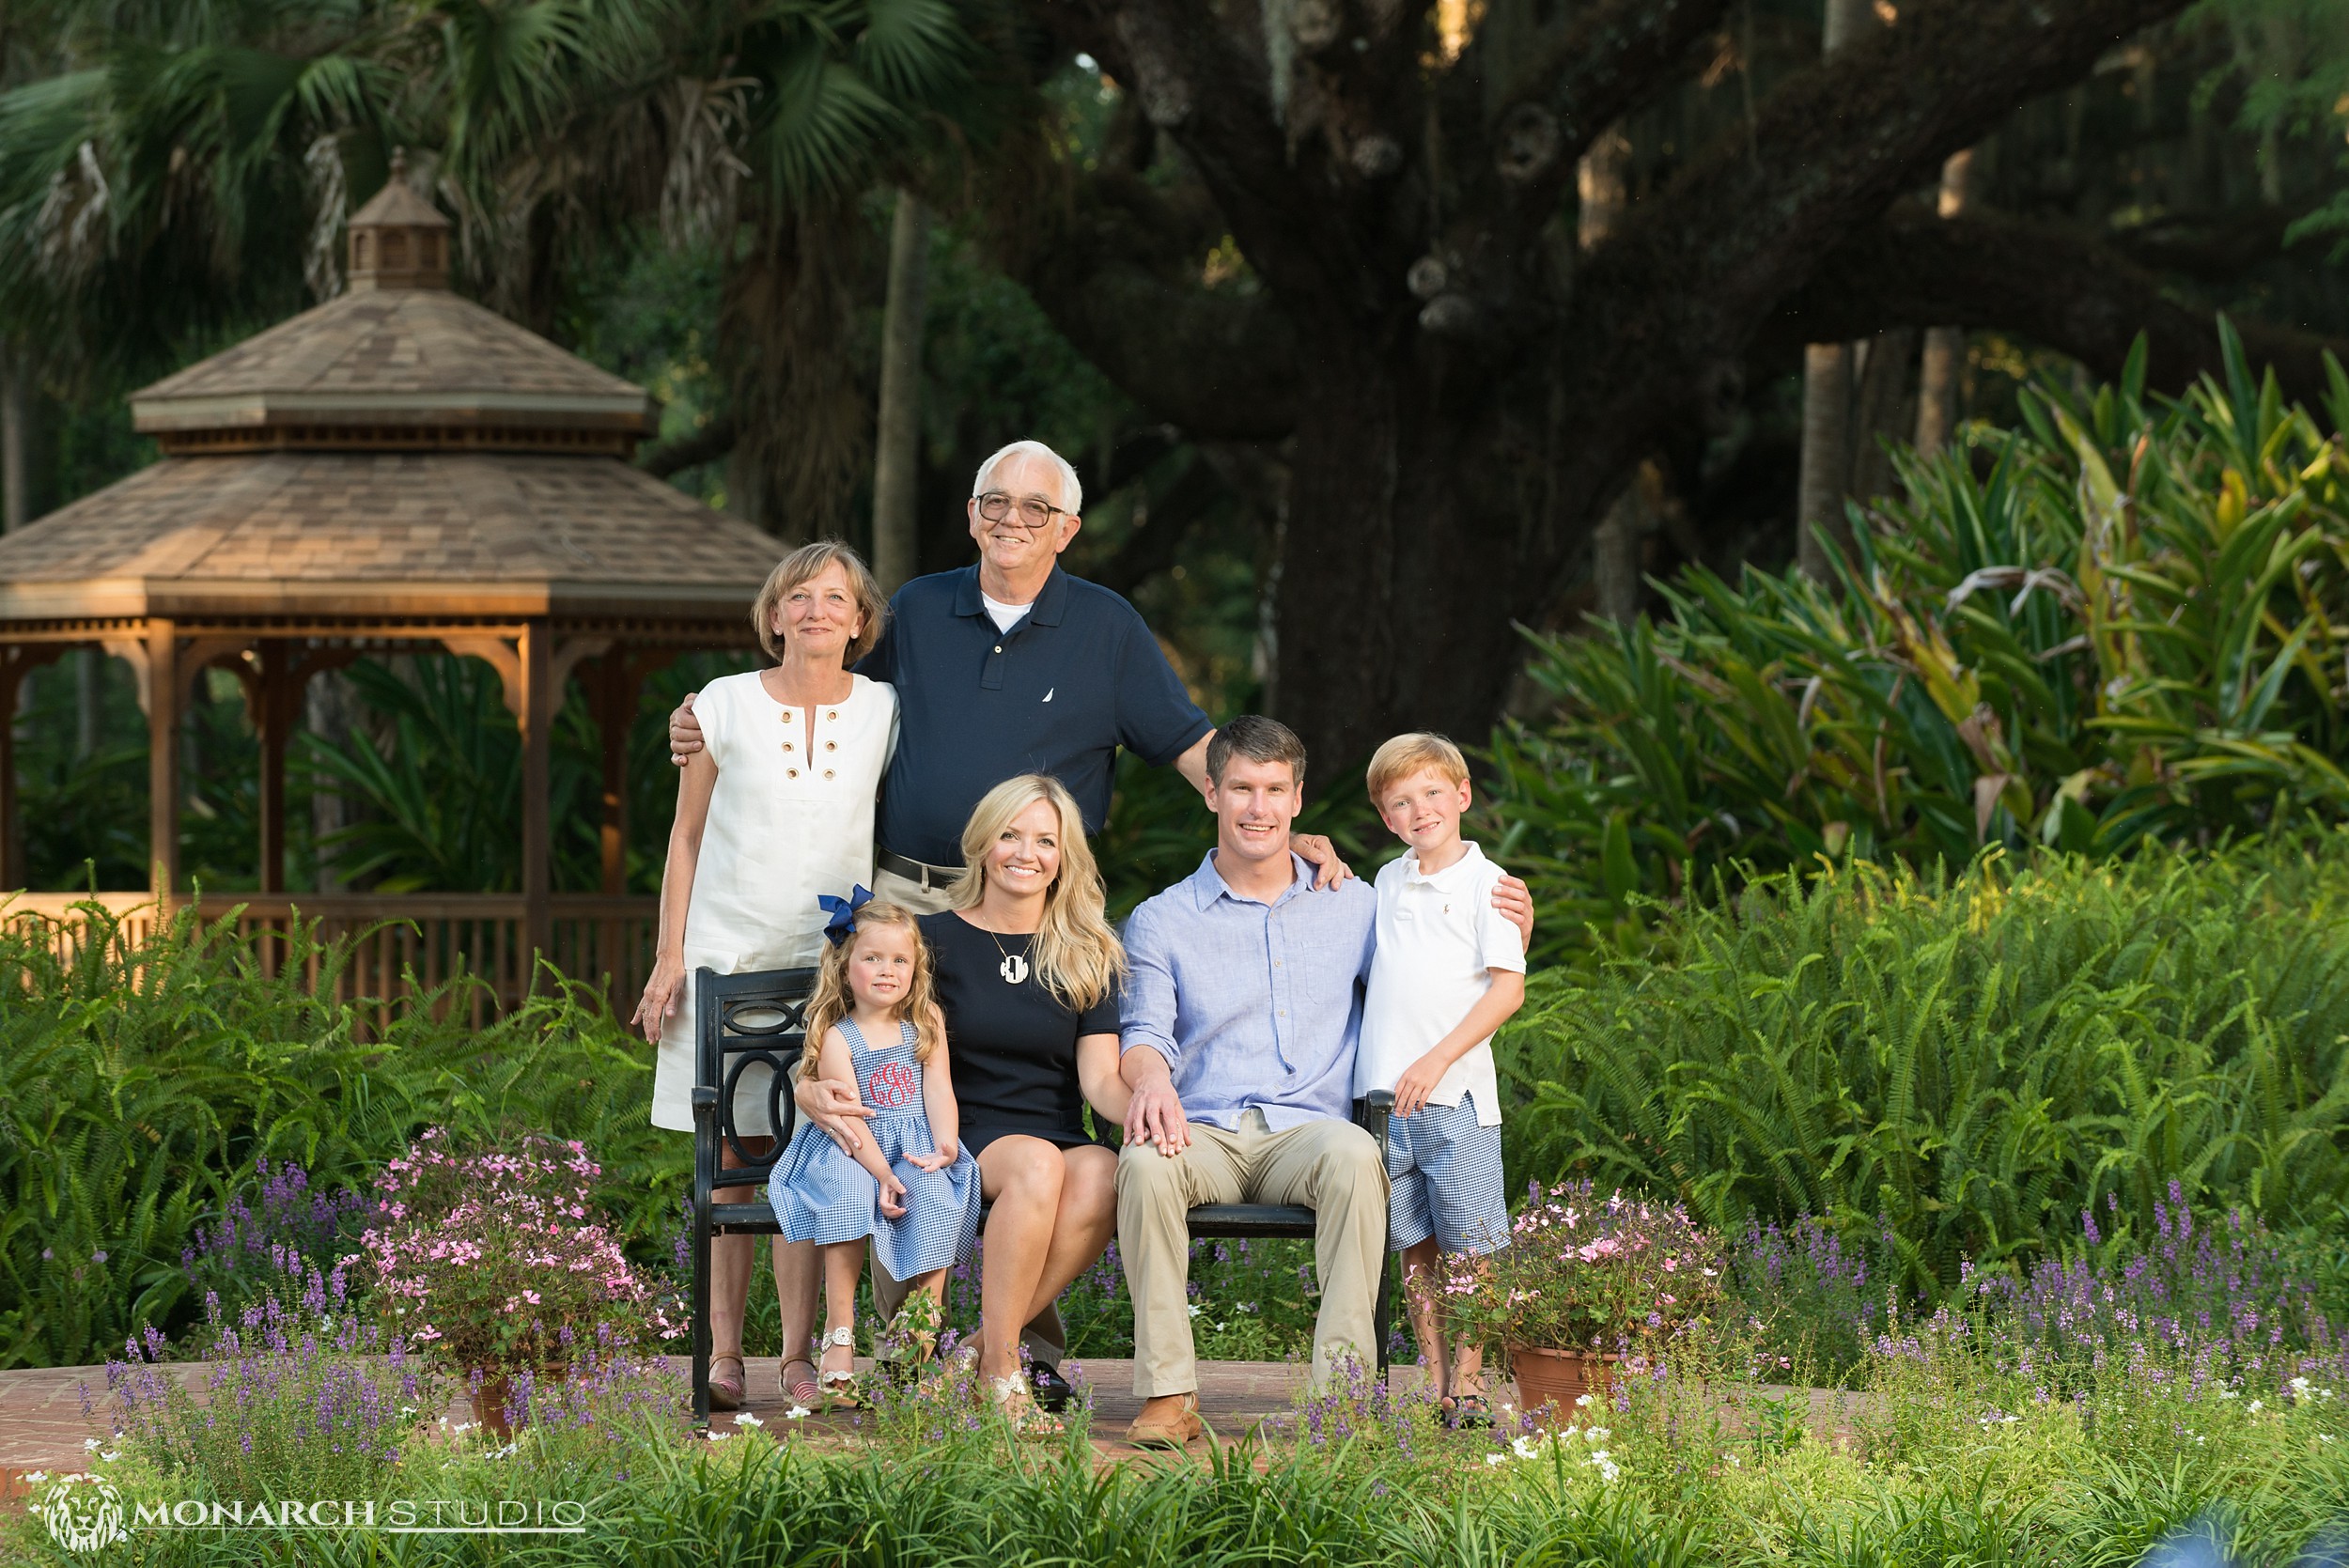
1045,1337
1332,1167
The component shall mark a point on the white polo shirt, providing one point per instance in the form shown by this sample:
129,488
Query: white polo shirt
1437,938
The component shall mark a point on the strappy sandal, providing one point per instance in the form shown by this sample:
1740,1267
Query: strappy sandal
728,1393
1029,1422
1469,1412
803,1393
836,1388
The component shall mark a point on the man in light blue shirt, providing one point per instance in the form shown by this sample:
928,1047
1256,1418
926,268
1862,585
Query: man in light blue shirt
1243,1001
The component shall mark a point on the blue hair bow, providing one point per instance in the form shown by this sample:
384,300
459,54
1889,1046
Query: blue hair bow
842,921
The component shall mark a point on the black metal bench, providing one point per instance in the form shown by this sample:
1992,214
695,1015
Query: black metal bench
759,1018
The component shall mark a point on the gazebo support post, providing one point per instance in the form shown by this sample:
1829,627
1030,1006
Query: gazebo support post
162,756
615,706
272,715
537,716
11,837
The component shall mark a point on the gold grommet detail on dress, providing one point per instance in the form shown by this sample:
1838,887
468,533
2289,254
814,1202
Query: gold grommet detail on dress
827,772
833,714
831,745
792,772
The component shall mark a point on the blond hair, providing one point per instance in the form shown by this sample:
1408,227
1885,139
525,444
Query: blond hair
832,1000
1406,755
1077,955
804,563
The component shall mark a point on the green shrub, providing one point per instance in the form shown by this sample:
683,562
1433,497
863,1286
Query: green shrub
1970,1062
2123,622
136,1096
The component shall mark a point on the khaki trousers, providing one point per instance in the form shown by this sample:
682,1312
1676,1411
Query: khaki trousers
1332,1167
1045,1337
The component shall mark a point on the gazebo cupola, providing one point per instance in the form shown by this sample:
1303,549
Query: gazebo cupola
399,239
396,466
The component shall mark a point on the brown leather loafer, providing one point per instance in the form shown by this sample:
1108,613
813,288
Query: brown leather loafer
1170,1429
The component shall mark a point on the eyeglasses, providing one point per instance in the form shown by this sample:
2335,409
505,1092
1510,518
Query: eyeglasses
1035,511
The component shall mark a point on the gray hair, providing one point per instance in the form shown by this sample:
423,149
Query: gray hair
1072,494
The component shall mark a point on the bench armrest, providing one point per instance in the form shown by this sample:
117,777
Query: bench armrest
1373,1111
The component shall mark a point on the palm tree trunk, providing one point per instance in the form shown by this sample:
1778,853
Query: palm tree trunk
12,489
1603,183
898,445
1939,382
1826,386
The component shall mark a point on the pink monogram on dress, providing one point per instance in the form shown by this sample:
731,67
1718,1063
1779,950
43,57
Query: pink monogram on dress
891,1085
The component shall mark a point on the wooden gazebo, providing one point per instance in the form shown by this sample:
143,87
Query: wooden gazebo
396,467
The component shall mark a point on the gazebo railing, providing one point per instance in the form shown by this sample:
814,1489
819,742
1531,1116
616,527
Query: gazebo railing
605,941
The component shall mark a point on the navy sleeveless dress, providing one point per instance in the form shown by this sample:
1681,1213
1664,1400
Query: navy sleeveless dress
821,1194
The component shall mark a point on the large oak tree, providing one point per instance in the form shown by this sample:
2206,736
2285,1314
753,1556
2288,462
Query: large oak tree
1459,391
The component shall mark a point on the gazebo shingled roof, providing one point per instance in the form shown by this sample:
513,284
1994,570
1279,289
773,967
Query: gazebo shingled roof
398,464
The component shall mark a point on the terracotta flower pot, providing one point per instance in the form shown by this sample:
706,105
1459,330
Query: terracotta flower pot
1559,1377
488,1405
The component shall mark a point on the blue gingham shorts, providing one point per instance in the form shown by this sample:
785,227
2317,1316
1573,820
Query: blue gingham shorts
1443,1179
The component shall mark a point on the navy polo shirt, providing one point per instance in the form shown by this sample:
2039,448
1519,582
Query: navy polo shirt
1074,679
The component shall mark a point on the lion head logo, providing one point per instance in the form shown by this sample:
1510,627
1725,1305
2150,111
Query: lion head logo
83,1512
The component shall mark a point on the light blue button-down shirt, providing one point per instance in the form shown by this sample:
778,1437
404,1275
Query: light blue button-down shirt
1252,1003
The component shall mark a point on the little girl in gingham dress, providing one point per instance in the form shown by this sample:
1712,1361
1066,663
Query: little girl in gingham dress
910,1188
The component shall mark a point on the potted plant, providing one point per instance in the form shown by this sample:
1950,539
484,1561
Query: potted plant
497,1261
1583,1281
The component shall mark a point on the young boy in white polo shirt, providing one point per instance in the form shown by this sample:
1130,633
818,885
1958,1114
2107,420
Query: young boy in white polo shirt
1448,971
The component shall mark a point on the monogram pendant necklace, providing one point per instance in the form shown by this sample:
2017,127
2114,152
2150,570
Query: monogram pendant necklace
1014,968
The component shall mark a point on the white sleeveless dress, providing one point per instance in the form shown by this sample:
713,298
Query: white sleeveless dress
785,824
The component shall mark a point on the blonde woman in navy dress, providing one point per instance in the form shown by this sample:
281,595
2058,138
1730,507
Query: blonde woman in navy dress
909,1188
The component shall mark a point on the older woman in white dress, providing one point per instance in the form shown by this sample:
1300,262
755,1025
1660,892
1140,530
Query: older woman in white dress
774,810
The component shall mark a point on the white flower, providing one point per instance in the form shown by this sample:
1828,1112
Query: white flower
91,1443
34,1478
2226,1393
2323,1437
1523,1447
108,1455
2255,1407
720,1437
798,1413
1580,1401
746,1418
1495,1459
409,1410
2298,1385
1597,1435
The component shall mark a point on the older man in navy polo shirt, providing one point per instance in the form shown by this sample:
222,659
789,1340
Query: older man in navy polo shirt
1013,666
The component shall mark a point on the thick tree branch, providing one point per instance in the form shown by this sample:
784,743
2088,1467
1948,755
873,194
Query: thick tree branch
1617,56
2046,283
1117,276
1742,228
1195,82
708,443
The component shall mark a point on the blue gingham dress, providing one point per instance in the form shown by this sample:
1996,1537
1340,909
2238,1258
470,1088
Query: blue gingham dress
821,1194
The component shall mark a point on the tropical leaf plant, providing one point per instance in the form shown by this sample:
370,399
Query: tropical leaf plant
2123,622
